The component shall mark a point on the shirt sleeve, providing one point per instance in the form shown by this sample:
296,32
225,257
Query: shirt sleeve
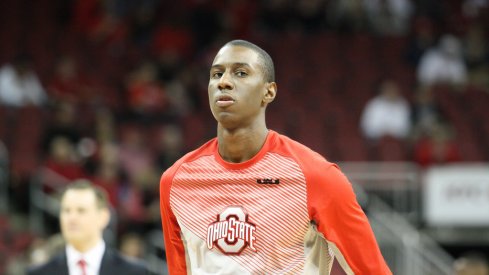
334,209
174,248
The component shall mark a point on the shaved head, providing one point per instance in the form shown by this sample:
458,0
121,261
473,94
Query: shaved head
265,59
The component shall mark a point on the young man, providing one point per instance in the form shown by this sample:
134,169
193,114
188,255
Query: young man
252,201
84,215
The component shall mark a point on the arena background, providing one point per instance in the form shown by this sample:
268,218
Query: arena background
125,86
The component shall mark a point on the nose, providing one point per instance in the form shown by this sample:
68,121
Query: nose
225,82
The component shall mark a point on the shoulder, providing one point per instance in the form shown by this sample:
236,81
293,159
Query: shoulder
432,55
297,151
55,265
118,264
285,145
316,168
6,70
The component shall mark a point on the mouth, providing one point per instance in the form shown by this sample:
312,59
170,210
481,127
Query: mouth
224,101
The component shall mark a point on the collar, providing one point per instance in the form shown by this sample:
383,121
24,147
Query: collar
92,257
271,136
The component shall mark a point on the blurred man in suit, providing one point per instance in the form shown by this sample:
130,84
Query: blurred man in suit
84,215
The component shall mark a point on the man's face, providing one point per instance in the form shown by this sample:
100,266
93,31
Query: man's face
81,219
237,89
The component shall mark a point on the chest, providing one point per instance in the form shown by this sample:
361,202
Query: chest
263,207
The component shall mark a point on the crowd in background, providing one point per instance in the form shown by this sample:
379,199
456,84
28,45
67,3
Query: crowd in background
116,90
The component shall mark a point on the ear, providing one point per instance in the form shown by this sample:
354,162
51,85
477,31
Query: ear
105,217
270,92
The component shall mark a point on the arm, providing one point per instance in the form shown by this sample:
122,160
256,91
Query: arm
333,207
175,251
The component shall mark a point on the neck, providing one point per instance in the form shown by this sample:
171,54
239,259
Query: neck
242,144
85,246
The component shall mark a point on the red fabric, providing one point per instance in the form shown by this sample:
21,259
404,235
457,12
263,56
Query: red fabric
147,97
68,89
429,152
174,40
70,170
111,187
88,15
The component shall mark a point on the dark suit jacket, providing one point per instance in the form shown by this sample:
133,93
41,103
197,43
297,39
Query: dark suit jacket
112,264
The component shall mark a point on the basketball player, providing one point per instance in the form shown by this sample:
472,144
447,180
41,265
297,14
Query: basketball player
252,201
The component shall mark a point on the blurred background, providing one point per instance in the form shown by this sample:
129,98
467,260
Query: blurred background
394,91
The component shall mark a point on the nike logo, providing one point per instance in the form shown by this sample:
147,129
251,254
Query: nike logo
268,181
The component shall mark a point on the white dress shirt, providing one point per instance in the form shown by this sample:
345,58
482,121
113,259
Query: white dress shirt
386,117
434,67
92,257
17,92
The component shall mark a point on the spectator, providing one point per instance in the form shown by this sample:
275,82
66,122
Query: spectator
62,125
146,96
474,9
105,126
14,239
347,16
206,19
389,17
97,22
471,264
169,146
179,103
239,14
63,159
132,246
172,46
69,83
275,15
42,250
425,112
108,174
140,193
84,215
387,114
135,157
142,25
436,147
310,15
19,84
476,54
443,64
422,39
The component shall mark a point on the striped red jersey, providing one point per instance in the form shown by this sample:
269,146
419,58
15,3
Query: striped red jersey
285,211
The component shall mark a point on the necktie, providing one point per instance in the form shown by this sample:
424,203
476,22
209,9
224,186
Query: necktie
83,266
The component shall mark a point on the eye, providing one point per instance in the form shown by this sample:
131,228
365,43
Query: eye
216,75
241,73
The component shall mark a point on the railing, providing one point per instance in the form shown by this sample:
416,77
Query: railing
390,192
4,178
396,183
156,253
41,203
406,250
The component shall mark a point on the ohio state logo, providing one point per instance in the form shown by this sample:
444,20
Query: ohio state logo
232,232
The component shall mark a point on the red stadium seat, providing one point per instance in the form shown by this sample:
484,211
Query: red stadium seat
391,149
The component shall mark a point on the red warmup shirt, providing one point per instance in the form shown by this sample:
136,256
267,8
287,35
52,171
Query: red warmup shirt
285,211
